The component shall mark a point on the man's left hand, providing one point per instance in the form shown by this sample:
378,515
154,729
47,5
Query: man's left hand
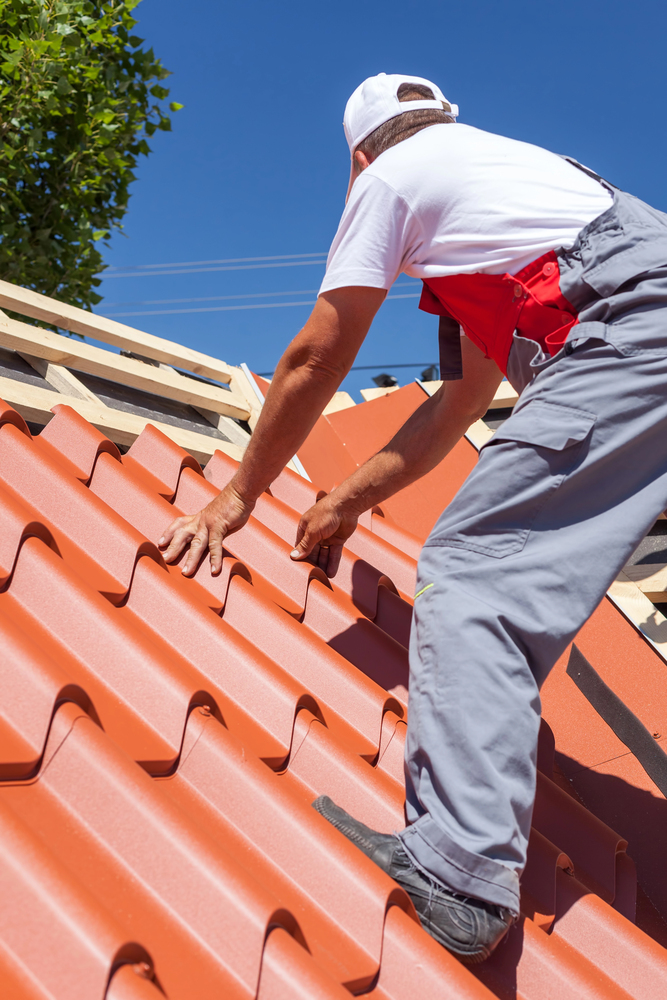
322,532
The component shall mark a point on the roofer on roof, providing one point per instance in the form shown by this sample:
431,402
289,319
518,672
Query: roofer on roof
539,269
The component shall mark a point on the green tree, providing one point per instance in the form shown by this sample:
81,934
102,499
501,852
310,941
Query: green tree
78,96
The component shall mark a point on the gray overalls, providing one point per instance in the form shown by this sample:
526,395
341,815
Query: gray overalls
519,560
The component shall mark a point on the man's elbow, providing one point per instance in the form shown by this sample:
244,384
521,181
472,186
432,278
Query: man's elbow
476,412
316,365
326,369
464,408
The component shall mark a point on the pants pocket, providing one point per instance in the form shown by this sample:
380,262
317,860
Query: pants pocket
519,470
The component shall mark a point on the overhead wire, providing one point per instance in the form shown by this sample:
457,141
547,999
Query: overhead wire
236,264
252,305
210,298
222,260
224,264
207,270
220,298
236,308
369,368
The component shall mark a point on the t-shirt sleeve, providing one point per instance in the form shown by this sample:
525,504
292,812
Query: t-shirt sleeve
376,238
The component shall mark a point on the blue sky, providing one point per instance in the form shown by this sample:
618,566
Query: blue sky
257,164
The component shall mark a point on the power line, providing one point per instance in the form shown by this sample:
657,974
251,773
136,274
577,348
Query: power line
253,305
211,309
208,270
211,298
221,298
368,368
224,260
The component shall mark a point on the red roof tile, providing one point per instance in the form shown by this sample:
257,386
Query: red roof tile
162,738
351,436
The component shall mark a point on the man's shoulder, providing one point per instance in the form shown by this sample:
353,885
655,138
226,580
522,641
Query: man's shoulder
427,150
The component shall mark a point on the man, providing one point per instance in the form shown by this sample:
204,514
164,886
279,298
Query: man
541,270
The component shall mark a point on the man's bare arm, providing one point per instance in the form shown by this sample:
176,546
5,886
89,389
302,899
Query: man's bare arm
308,374
420,444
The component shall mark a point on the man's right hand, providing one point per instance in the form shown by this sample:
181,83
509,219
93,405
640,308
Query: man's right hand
206,531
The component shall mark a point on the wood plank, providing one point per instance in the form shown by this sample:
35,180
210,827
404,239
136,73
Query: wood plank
369,394
636,606
61,379
249,390
36,405
478,434
108,331
505,396
652,584
82,357
226,426
430,387
339,401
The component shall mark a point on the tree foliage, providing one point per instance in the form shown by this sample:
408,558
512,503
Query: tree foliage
78,97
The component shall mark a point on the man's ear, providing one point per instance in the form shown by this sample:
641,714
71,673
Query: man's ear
361,160
359,163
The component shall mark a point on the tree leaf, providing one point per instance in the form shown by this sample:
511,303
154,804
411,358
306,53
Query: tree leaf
77,106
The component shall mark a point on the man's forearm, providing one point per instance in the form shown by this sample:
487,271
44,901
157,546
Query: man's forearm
308,374
421,443
295,400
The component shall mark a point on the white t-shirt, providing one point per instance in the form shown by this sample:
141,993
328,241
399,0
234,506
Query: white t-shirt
453,199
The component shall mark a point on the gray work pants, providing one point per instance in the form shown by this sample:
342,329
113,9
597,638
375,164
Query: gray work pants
560,498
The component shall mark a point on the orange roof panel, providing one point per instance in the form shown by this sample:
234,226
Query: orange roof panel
162,739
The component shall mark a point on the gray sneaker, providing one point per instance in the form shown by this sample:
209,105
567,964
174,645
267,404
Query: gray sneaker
468,928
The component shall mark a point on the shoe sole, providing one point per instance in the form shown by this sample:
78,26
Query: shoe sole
467,957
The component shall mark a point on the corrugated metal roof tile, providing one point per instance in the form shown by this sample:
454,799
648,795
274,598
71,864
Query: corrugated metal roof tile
72,441
301,685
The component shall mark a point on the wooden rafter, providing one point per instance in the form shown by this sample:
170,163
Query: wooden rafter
146,364
108,331
83,357
36,404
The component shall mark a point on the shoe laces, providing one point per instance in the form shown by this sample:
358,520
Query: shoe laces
434,885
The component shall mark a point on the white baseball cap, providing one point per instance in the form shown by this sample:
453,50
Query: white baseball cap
375,102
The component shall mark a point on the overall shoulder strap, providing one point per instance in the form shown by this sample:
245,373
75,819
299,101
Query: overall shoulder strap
449,342
591,173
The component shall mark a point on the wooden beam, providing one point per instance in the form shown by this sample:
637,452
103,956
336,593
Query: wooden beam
226,426
61,379
505,396
650,578
478,434
245,384
430,388
339,401
369,394
108,331
36,405
82,357
636,606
